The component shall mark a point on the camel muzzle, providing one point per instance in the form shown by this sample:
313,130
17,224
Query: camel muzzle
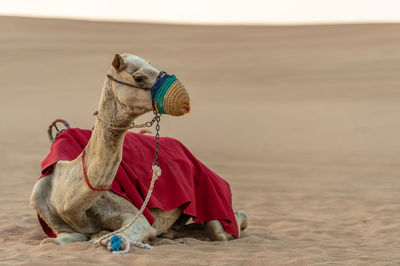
169,96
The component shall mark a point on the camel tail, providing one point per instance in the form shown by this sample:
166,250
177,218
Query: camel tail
54,124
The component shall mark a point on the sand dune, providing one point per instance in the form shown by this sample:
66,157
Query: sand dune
302,121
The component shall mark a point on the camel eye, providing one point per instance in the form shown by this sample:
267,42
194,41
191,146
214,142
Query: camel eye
138,78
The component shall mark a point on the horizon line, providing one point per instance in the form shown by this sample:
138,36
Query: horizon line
200,23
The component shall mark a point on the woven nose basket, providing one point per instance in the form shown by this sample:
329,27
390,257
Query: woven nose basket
170,96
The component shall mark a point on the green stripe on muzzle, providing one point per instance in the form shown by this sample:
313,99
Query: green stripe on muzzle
159,97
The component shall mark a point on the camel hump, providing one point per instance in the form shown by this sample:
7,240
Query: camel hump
58,131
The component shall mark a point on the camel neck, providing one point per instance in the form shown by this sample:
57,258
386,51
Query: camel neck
103,152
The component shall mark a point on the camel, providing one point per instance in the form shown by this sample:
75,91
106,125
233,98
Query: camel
77,213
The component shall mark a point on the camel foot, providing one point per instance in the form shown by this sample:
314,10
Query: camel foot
64,238
50,240
216,232
211,230
193,230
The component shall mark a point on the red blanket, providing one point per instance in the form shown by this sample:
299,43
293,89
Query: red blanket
185,181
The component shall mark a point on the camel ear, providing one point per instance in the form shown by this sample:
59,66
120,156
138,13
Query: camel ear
118,63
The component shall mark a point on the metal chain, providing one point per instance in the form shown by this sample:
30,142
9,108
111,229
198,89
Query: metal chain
157,118
147,124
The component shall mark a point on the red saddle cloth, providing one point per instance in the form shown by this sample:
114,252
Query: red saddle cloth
184,181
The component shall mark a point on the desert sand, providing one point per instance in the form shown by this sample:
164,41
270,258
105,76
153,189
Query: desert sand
303,121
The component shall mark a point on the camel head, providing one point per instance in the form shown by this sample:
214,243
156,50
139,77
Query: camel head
141,87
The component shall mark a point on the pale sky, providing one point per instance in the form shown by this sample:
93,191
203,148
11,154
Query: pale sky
211,11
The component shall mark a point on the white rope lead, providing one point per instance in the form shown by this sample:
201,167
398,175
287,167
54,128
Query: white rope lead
106,239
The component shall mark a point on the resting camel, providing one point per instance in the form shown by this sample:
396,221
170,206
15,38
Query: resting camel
74,211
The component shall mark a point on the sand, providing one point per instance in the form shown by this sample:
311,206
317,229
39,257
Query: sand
303,121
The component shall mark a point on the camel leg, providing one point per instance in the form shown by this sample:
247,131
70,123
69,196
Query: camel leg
192,230
216,231
140,231
211,230
164,220
64,238
40,200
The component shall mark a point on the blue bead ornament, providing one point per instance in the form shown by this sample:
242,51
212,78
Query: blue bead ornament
115,243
